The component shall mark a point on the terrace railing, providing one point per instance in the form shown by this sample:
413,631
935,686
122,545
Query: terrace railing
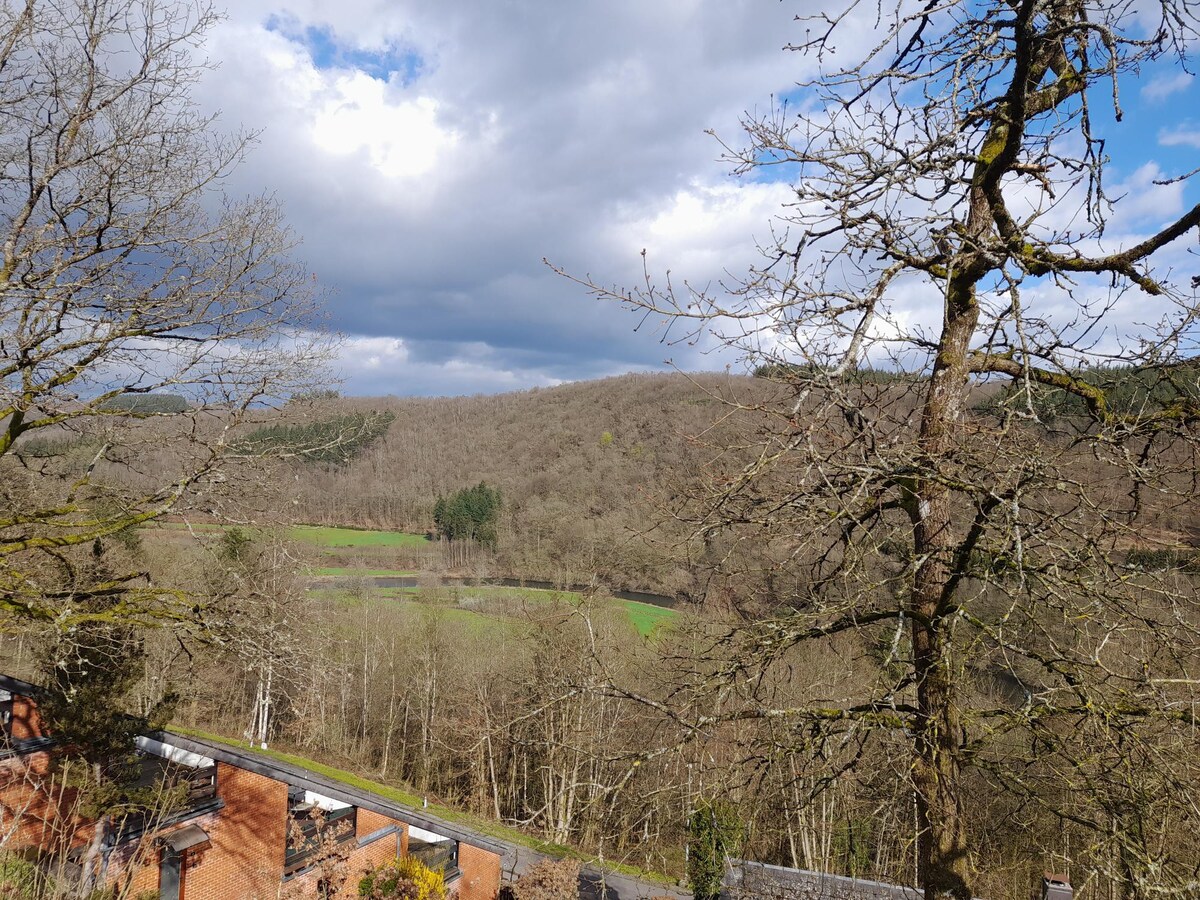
309,829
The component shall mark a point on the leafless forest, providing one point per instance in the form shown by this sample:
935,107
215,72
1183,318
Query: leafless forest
560,718
589,472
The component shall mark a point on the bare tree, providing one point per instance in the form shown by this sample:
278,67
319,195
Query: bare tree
257,617
143,314
988,560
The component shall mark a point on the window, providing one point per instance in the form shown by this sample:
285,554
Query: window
314,822
193,774
6,714
438,852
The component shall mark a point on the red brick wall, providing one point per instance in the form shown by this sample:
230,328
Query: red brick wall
480,879
244,858
377,852
26,723
245,861
480,873
144,856
372,821
248,839
44,807
358,862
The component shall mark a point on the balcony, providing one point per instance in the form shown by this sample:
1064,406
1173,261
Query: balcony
179,785
315,823
437,852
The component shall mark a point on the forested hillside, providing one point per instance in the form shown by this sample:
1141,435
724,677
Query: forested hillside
516,705
586,471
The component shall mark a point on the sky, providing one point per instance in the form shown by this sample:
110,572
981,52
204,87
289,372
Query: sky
431,155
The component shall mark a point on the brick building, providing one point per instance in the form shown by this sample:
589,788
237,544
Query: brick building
240,826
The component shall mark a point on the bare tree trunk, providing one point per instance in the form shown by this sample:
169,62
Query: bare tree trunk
491,754
391,713
938,731
91,861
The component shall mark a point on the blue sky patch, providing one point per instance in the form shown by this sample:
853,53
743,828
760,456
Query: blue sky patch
1158,126
402,63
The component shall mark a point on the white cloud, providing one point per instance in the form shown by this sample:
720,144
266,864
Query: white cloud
1141,198
1183,135
428,198
366,353
401,139
348,112
1163,86
379,366
705,227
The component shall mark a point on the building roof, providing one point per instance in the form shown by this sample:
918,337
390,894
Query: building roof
314,781
292,774
17,686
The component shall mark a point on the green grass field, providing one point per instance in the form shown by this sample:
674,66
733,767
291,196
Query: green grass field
349,572
473,622
328,536
517,594
644,617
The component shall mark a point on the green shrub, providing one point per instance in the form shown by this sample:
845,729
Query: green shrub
797,372
714,833
49,447
403,879
18,878
469,514
852,843
1166,558
1128,391
147,404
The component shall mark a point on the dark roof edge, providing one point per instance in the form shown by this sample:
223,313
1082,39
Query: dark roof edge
301,777
17,686
21,746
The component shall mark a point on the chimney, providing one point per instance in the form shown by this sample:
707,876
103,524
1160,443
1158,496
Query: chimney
1056,887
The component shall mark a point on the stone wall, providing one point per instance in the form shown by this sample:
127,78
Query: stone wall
747,880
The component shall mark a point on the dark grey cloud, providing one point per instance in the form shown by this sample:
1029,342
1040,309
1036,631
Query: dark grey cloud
508,133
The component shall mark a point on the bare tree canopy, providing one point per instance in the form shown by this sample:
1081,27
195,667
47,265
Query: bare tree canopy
985,559
143,314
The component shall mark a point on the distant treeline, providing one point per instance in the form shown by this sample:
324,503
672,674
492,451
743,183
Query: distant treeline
1128,391
336,440
583,468
592,473
56,445
780,371
147,404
